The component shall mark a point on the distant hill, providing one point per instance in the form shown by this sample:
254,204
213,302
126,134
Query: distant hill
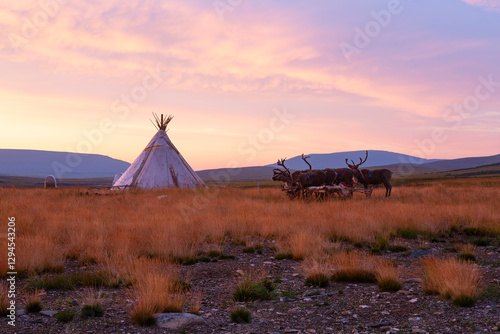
68,165
32,163
337,160
442,165
244,174
452,167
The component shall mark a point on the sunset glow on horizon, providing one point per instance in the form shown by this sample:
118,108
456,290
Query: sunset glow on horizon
251,81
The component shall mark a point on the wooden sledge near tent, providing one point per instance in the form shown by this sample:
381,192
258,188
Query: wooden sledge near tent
326,192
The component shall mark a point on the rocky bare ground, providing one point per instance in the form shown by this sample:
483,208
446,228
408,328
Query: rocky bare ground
296,308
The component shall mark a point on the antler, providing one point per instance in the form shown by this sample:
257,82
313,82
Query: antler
354,165
278,171
281,162
304,158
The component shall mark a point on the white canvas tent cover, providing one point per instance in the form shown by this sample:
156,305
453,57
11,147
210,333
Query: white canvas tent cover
160,165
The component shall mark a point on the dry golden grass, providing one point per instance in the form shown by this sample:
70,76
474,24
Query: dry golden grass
460,281
387,277
317,269
354,267
156,290
196,300
33,301
122,231
350,267
430,272
37,254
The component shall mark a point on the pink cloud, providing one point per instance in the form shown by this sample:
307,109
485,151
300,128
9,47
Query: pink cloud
487,4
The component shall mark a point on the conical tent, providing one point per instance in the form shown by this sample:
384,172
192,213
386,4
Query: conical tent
160,165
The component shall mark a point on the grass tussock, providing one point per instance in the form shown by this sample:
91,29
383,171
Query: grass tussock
387,277
317,270
65,316
467,252
33,301
451,279
254,285
195,301
157,291
91,302
354,267
241,315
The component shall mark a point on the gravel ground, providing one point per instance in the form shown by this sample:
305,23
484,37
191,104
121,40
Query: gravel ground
339,308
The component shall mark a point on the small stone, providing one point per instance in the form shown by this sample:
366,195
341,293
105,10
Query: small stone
49,313
419,253
382,324
414,300
414,319
20,312
314,292
414,280
363,306
295,275
385,313
290,330
178,320
311,331
418,330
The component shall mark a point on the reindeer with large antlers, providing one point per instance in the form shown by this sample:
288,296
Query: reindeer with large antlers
367,177
335,175
297,181
331,174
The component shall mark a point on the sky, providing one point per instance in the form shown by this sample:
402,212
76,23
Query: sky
251,81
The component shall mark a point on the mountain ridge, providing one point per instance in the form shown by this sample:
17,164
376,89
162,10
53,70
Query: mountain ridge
40,163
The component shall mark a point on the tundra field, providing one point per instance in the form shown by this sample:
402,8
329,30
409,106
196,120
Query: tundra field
427,259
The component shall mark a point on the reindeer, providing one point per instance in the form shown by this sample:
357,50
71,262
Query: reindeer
377,176
331,174
299,180
335,175
311,177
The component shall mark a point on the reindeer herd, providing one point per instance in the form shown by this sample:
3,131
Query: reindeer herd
324,182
